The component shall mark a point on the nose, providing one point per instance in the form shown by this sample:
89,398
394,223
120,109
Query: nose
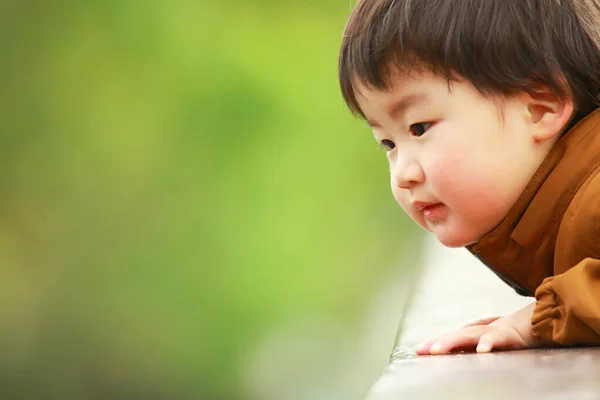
406,171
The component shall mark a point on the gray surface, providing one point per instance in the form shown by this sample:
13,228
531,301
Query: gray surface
453,289
531,374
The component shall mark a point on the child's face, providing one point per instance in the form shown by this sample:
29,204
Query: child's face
456,165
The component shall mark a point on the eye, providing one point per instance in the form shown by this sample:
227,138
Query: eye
419,129
386,145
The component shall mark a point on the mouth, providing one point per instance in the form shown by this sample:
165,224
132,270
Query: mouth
430,210
421,205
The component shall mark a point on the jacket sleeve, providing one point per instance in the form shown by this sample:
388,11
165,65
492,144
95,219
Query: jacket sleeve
568,304
568,307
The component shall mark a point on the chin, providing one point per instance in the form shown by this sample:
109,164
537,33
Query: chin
454,240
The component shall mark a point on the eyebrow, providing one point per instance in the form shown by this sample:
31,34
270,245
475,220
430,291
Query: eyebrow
400,105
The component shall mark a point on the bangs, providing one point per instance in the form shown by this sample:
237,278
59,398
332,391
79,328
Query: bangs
501,46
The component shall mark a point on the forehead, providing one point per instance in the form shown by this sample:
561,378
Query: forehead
403,92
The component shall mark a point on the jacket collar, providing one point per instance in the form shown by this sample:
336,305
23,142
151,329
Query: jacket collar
545,199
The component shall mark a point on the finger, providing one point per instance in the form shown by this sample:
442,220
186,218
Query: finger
463,339
482,321
423,348
500,339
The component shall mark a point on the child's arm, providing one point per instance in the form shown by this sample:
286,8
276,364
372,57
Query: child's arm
568,307
567,313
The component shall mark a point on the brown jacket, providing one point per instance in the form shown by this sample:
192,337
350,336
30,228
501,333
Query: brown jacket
549,242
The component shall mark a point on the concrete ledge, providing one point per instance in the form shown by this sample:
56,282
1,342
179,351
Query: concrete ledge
532,374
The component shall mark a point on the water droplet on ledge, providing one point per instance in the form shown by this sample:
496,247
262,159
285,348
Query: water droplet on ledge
403,353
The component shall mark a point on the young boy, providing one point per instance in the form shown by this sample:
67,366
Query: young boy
489,114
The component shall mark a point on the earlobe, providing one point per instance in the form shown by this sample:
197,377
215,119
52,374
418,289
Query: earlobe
549,114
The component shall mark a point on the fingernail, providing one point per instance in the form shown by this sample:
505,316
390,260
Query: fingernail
483,348
436,348
420,347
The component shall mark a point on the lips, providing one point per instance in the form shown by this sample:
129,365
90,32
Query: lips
421,205
431,211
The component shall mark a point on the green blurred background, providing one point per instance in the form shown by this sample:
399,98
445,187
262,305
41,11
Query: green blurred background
187,209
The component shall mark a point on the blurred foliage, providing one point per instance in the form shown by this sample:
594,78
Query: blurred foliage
177,177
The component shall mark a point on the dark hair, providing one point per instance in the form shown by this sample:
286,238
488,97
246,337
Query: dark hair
503,47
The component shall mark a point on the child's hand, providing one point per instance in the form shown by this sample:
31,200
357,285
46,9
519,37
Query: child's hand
512,332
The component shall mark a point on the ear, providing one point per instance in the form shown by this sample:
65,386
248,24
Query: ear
548,113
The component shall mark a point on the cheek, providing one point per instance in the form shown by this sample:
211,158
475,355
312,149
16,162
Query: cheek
466,184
